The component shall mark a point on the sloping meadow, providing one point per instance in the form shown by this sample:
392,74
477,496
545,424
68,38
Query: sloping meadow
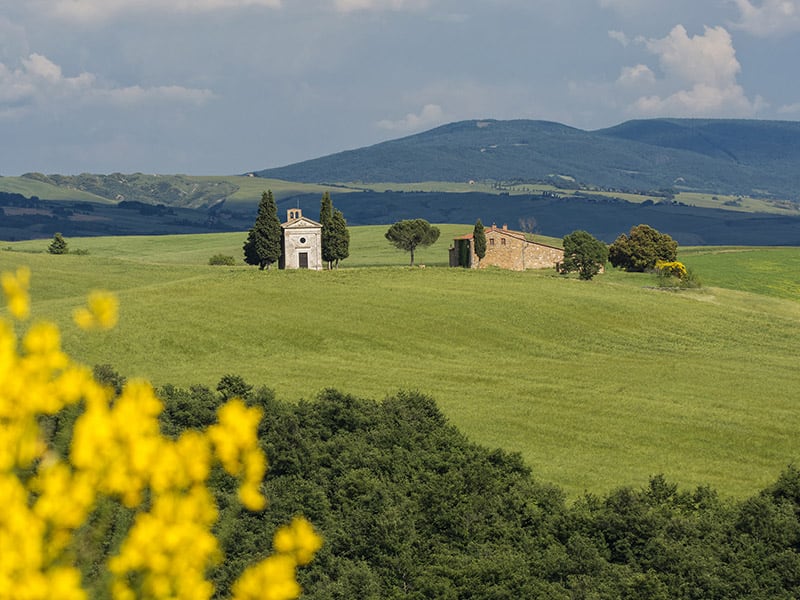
597,384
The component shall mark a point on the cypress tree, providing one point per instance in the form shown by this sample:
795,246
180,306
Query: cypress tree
263,245
326,220
341,237
479,240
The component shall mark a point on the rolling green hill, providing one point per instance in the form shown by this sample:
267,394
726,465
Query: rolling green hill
719,156
180,191
742,141
597,384
715,182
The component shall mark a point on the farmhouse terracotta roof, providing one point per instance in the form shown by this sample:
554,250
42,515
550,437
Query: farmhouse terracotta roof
507,232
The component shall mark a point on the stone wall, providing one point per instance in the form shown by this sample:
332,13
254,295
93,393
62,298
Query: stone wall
538,256
511,250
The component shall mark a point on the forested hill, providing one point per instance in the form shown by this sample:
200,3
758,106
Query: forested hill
409,508
747,157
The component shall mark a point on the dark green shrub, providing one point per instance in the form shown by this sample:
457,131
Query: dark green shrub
641,249
583,253
107,375
58,245
675,275
233,386
222,260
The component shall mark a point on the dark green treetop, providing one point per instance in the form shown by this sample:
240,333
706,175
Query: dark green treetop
335,236
263,245
326,220
583,253
641,248
58,245
340,236
479,240
409,234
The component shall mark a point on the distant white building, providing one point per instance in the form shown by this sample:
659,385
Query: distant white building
301,247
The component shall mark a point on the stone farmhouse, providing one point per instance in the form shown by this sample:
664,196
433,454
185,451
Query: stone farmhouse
506,249
301,245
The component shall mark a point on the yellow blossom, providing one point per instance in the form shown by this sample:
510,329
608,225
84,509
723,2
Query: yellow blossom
299,540
118,451
102,312
672,268
271,579
15,288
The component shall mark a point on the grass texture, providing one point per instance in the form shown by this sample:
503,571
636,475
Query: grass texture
597,384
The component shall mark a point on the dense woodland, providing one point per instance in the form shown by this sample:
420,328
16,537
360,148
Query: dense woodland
410,508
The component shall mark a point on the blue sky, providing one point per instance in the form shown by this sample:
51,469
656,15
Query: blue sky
229,86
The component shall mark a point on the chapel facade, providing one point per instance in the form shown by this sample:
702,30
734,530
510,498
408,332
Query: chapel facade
301,244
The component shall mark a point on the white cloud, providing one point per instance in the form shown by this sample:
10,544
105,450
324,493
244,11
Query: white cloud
39,82
772,17
95,11
701,100
625,6
790,109
619,36
636,76
429,116
699,77
355,5
136,95
13,40
101,10
708,58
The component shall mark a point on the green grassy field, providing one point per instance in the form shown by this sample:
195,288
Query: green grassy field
30,187
598,384
770,271
701,200
248,189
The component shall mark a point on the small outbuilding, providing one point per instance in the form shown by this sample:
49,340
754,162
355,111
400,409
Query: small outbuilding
301,245
506,249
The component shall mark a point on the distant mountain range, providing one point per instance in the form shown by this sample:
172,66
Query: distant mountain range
656,157
724,156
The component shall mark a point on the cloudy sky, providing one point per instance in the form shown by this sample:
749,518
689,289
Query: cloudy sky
228,86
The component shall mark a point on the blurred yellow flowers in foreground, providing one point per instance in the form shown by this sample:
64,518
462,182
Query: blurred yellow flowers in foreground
118,451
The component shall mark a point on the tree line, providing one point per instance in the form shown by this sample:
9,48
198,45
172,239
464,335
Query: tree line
410,508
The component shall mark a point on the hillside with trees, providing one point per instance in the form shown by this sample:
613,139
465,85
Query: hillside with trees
408,507
566,179
717,156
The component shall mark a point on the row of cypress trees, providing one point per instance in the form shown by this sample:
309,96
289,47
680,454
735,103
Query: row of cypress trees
335,236
263,244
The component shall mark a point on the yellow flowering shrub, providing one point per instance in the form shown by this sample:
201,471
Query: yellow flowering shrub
118,451
671,269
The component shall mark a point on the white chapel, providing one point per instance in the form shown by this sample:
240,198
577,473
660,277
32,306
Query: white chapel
301,247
